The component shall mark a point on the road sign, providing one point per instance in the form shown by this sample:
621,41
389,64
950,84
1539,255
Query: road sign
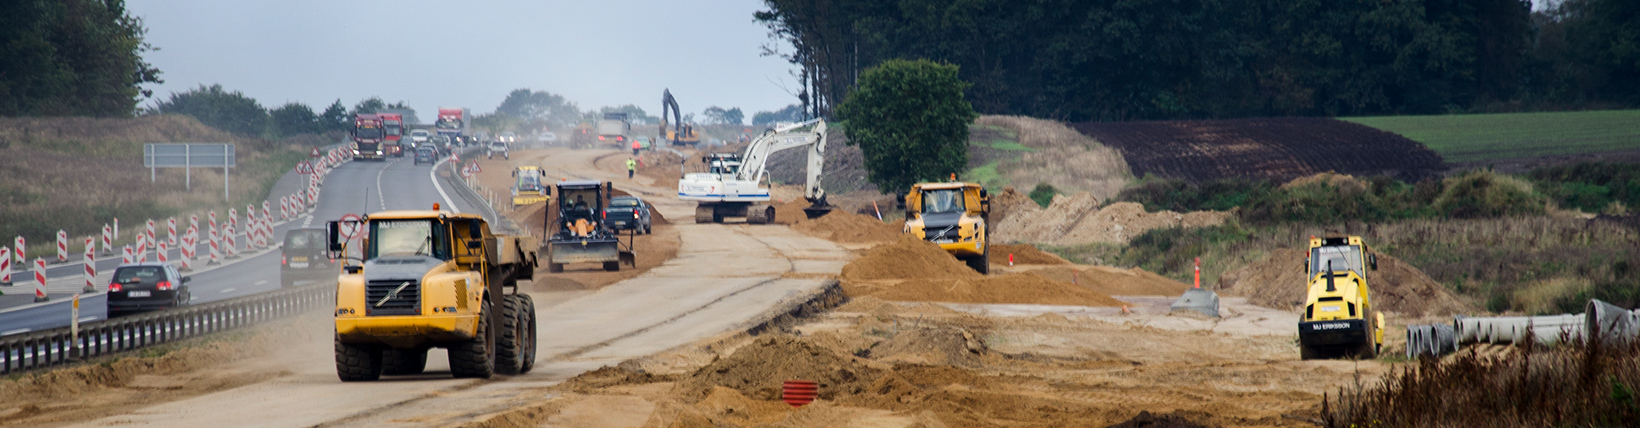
304,168
314,153
189,156
476,168
351,225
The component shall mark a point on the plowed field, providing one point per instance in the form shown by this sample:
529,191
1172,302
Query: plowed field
1269,148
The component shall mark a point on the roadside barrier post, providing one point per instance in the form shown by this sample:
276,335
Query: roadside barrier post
161,252
228,241
116,228
5,266
216,251
108,239
142,249
22,258
62,246
126,257
90,268
171,231
74,330
150,233
267,225
189,240
251,230
40,280
284,208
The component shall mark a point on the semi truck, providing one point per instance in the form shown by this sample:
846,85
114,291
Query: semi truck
393,125
368,135
455,122
612,129
431,279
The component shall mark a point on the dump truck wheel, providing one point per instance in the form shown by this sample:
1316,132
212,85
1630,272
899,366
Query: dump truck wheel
612,266
476,357
357,362
528,362
981,264
555,267
404,361
510,338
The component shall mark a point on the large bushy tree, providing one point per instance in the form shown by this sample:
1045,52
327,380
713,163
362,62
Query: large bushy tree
72,58
228,111
910,120
293,119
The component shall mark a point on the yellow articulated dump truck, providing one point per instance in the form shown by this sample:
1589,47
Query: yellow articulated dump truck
431,279
527,187
1338,319
954,215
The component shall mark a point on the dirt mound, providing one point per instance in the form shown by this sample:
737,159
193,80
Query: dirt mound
1004,204
906,258
1021,288
1147,420
608,376
1073,220
1278,282
938,346
758,369
1025,254
849,228
1115,282
790,213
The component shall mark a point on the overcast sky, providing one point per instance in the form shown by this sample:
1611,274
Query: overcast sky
469,53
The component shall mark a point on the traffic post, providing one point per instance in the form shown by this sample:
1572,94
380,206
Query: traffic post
5,266
150,232
216,250
40,280
22,257
267,225
171,231
162,253
142,249
90,268
108,239
116,228
62,246
230,249
126,257
189,242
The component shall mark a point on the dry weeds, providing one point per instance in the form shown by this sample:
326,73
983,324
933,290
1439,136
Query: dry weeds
1063,158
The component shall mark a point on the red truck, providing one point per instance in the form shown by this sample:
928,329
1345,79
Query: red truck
393,125
368,134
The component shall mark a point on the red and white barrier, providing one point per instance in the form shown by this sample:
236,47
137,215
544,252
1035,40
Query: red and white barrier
62,246
90,266
150,233
18,251
40,280
189,240
162,253
142,249
5,265
108,239
171,231
267,225
216,250
229,244
284,208
253,231
116,228
126,256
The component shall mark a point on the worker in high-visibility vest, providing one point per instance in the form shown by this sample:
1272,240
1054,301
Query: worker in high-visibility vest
631,167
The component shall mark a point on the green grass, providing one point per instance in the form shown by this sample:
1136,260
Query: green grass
986,176
1478,138
1009,145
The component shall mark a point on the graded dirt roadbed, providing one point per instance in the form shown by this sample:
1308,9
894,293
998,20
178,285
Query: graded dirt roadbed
723,277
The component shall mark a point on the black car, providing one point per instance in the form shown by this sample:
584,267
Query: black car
628,212
145,287
426,154
303,257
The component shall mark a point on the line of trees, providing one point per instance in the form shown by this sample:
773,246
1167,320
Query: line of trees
1168,59
72,58
234,112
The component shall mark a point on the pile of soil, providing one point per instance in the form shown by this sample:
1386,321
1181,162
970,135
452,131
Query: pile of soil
849,228
1278,282
1004,204
1074,220
907,258
946,346
608,376
1024,254
1114,281
1019,288
790,213
758,369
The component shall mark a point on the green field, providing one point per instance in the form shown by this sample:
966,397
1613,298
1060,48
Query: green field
1474,138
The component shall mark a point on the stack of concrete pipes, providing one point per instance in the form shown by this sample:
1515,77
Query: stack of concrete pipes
1612,324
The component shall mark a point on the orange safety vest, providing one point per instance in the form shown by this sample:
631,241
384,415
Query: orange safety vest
635,145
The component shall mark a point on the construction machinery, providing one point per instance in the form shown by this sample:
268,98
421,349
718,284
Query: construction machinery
733,184
1338,318
956,216
612,129
681,134
578,233
527,187
430,279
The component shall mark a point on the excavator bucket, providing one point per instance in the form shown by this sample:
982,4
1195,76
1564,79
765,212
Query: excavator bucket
817,211
629,258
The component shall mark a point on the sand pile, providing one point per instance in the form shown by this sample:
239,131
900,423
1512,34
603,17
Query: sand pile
1114,281
906,258
849,228
1004,204
758,369
1024,254
1072,220
936,345
1278,281
791,212
608,376
1019,288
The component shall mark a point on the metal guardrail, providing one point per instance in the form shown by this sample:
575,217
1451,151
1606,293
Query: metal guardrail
47,348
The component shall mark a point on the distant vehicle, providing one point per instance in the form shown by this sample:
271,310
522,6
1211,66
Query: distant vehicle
497,147
393,125
507,137
628,213
419,136
454,122
613,129
368,135
303,258
643,142
443,144
145,287
547,137
426,154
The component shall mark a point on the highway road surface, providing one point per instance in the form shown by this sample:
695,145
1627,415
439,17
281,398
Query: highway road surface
723,277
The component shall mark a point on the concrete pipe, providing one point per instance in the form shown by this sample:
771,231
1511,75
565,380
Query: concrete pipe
1443,339
1609,324
1468,329
1417,344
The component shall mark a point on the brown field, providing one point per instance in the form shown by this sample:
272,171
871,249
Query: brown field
1278,149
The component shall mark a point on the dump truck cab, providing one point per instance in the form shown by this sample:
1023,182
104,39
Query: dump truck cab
527,186
954,215
1338,318
420,279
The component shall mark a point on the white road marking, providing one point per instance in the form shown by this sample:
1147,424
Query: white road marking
380,198
20,330
228,290
440,188
261,282
90,318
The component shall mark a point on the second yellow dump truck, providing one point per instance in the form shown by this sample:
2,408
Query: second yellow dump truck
528,187
955,215
1338,317
431,279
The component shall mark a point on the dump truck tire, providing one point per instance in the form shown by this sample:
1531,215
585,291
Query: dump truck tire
512,337
981,264
612,266
357,362
404,361
476,357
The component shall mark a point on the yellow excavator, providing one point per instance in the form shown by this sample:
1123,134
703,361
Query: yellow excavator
1338,319
681,134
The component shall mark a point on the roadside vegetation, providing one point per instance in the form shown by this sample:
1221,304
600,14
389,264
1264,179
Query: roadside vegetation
1508,243
1478,138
